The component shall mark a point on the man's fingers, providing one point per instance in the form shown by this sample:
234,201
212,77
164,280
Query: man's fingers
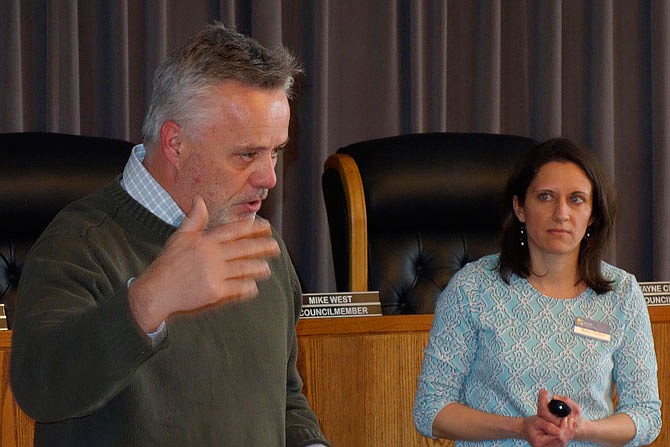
242,229
239,281
248,269
217,280
244,239
197,217
259,247
241,289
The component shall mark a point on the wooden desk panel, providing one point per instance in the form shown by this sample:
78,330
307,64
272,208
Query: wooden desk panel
661,331
360,377
16,429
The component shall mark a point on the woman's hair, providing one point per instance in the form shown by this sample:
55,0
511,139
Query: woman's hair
182,81
514,257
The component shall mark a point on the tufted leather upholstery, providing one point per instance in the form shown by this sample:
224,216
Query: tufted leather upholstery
40,173
407,212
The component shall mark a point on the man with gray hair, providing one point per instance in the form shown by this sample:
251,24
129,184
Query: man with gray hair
161,310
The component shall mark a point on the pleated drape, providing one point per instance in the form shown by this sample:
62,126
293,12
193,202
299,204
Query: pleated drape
660,142
594,71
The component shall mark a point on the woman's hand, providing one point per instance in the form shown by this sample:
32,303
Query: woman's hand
547,430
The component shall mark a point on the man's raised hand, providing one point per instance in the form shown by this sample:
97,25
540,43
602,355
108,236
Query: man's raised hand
200,267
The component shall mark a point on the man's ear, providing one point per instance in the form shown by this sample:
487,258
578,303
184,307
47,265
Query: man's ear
518,209
171,142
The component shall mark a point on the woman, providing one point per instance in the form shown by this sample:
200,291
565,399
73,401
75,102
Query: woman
544,318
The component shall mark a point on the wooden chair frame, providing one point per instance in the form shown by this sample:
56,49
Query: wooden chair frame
358,221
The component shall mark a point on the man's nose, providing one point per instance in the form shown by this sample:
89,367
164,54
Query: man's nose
264,175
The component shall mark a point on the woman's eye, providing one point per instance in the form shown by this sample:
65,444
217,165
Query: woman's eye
544,196
577,199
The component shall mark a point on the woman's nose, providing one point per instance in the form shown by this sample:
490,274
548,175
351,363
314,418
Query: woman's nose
561,211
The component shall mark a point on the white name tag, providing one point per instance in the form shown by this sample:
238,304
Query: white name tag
598,330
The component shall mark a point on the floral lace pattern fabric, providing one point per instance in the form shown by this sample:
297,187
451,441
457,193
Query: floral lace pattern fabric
493,346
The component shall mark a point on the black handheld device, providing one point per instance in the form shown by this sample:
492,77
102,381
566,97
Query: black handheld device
559,408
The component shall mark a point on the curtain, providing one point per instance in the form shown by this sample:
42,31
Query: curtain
593,71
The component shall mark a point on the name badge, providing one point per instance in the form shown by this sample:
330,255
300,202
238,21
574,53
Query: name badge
592,329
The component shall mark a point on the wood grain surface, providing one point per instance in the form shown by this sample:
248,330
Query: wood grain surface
359,376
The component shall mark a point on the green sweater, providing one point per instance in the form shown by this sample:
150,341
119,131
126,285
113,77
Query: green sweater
89,376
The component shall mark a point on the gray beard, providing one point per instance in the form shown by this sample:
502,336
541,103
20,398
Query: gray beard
224,217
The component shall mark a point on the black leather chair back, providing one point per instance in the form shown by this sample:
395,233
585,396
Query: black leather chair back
434,203
40,173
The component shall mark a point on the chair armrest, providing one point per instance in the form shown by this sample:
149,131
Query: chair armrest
357,225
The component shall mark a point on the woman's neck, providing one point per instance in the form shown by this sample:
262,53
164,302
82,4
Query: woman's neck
556,277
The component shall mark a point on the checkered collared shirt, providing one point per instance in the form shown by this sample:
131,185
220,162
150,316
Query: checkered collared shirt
141,186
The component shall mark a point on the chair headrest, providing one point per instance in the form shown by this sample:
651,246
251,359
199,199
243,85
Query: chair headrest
41,172
436,180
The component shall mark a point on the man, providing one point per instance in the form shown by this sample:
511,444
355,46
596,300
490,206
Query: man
138,324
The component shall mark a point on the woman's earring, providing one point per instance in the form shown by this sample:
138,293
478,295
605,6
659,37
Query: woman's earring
587,235
522,235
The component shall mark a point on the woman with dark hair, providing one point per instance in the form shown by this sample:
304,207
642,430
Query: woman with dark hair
545,320
514,256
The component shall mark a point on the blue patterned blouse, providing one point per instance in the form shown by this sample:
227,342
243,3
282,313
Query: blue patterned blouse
493,346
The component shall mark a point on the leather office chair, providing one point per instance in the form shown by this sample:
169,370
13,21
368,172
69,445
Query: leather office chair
406,212
40,173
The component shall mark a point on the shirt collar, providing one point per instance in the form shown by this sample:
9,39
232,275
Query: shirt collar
144,188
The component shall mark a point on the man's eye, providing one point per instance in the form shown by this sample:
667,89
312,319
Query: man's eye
275,152
248,156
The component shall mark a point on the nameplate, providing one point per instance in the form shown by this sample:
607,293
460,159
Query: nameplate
3,319
340,304
656,293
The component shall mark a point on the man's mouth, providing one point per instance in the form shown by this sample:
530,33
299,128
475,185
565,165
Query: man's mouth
253,204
